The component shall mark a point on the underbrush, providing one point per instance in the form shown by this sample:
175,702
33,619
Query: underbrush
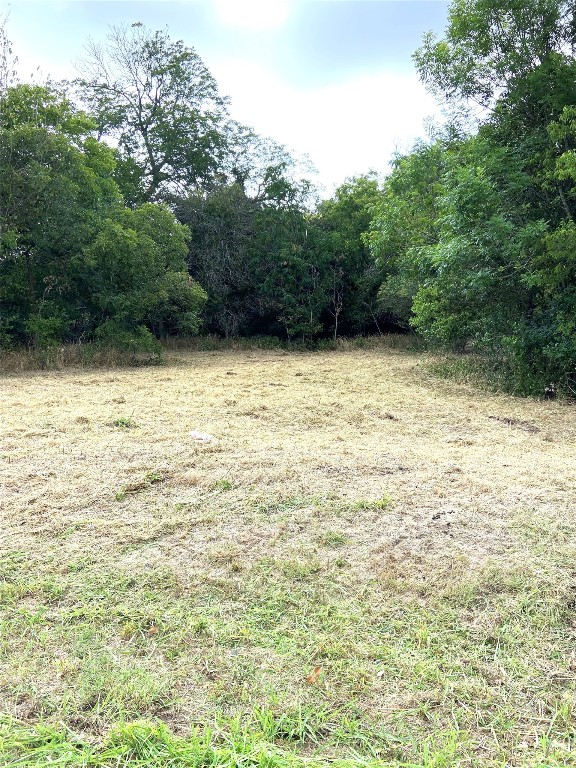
408,342
94,355
73,356
498,375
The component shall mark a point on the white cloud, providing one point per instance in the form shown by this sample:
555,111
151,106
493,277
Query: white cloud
252,14
346,128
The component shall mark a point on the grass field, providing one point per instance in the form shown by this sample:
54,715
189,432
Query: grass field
366,566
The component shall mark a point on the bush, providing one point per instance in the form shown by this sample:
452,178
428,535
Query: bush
137,340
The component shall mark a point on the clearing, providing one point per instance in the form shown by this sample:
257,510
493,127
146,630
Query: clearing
366,566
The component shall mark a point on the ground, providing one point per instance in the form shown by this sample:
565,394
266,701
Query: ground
365,563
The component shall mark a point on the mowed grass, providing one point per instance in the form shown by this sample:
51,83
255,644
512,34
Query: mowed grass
365,567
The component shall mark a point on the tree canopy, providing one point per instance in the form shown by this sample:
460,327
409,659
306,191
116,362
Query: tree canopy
482,251
73,258
158,100
133,207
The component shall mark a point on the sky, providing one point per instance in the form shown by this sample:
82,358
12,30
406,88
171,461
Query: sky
330,79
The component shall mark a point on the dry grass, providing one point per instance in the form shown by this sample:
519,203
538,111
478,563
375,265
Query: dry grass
410,540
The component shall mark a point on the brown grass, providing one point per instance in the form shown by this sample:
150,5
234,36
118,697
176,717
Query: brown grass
352,426
353,468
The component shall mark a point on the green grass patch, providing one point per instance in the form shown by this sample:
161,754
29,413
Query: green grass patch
302,659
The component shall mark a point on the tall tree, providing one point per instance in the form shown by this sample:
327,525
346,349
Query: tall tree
501,275
55,183
476,290
405,222
158,100
252,254
8,60
74,262
222,226
490,45
355,277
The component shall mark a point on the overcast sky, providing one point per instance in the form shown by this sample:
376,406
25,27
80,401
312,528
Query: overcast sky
332,79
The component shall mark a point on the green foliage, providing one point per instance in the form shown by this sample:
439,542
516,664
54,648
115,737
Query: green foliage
470,239
259,257
476,291
157,99
124,423
78,265
222,226
134,340
137,270
55,179
75,263
43,107
476,232
45,331
293,275
354,276
271,266
404,223
489,46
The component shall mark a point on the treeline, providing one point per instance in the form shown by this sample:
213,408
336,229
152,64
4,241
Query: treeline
132,207
476,228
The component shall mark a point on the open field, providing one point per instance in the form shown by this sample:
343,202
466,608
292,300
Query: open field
366,566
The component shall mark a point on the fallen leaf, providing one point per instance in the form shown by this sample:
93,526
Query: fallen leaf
314,676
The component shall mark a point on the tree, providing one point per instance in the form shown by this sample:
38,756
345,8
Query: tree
292,270
477,290
405,222
222,226
490,45
241,230
261,166
135,269
500,276
158,101
74,262
355,277
55,182
252,253
8,60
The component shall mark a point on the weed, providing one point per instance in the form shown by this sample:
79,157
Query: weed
373,504
222,485
150,478
123,423
333,539
300,571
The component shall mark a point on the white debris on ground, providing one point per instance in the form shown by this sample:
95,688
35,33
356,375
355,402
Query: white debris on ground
201,437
